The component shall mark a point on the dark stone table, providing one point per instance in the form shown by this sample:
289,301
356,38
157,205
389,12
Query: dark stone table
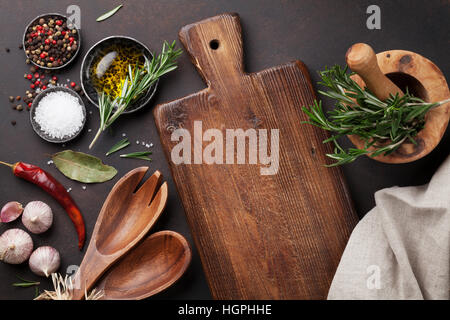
315,31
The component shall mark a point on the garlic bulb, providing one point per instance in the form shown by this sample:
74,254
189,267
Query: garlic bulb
11,211
44,261
15,246
37,217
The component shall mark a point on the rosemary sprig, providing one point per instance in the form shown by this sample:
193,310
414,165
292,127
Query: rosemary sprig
135,84
143,155
382,125
25,283
119,146
109,13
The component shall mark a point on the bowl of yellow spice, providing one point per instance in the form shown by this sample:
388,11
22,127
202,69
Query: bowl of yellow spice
106,66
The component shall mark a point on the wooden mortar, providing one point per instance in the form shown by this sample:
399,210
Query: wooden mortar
406,69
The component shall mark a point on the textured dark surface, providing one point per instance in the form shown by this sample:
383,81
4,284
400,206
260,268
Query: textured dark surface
316,32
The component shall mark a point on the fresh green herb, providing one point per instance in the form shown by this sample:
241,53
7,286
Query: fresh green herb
382,125
83,167
119,146
25,283
109,13
136,84
138,155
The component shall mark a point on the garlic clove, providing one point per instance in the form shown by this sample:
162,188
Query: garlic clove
11,211
37,217
15,246
44,261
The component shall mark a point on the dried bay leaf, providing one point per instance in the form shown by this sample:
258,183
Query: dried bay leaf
83,167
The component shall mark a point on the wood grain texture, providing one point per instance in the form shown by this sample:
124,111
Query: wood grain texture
126,217
260,237
155,264
424,79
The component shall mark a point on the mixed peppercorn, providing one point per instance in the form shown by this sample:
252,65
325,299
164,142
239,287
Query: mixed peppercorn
50,42
39,80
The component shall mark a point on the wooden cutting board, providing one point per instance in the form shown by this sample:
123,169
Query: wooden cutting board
277,236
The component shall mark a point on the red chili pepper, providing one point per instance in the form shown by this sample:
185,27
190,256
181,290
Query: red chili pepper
45,181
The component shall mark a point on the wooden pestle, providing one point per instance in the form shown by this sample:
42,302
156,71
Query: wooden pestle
362,59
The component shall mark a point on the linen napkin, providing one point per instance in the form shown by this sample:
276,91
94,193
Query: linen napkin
401,248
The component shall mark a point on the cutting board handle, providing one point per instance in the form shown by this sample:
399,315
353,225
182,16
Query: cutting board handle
215,46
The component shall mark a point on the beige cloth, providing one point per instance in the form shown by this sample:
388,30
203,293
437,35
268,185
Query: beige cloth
401,248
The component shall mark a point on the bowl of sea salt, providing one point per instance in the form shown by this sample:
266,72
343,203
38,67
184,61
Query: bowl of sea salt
58,114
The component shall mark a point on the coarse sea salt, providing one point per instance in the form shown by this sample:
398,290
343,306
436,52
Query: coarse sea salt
59,114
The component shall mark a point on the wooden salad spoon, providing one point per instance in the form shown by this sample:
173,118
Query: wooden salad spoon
125,218
152,266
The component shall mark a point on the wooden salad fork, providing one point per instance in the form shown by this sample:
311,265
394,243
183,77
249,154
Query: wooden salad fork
125,218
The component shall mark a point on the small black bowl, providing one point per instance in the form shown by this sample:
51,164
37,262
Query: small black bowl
36,126
98,48
60,17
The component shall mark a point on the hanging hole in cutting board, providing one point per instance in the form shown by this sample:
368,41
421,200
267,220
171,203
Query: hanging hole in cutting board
214,44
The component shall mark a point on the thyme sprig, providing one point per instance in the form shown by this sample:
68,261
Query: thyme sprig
382,125
135,84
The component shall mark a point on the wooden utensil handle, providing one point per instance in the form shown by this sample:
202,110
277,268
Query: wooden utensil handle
362,59
215,46
87,275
